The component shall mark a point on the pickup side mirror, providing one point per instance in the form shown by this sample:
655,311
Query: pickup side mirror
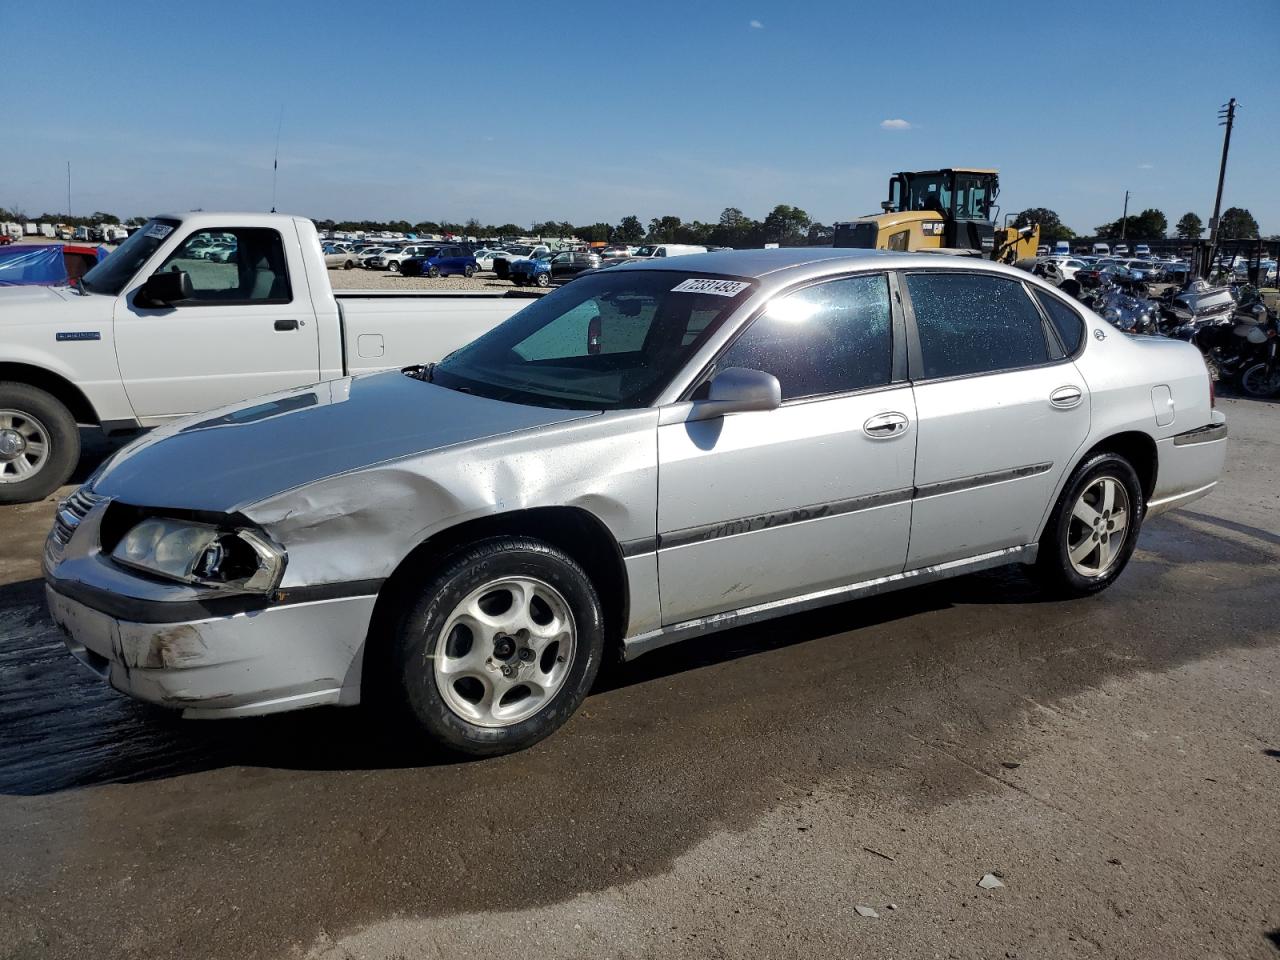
738,390
163,289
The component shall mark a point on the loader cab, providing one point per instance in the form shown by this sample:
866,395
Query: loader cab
962,197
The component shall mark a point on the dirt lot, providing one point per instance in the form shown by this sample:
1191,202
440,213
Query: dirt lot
1114,761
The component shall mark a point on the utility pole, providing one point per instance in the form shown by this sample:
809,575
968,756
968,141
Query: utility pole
1226,118
1124,219
68,189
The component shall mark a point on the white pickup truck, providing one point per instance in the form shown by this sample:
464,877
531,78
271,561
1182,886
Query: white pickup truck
160,329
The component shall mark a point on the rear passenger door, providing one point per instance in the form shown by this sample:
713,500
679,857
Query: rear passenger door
1001,412
760,506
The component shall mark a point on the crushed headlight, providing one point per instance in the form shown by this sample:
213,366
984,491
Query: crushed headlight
198,553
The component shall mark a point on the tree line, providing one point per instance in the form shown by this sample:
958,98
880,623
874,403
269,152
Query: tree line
785,225
1151,224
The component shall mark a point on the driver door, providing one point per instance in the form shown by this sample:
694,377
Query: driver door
244,332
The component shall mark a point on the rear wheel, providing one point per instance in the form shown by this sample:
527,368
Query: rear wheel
1094,528
347,265
500,646
543,279
39,443
1258,382
468,272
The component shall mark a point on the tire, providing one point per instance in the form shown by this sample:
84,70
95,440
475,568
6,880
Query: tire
28,413
393,266
347,265
543,279
1255,382
461,695
433,272
468,272
1082,501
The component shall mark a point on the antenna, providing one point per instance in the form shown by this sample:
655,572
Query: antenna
275,164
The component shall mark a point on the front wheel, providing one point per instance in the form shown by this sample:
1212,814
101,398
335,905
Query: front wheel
1257,381
543,279
468,272
1094,527
39,443
347,265
433,272
500,646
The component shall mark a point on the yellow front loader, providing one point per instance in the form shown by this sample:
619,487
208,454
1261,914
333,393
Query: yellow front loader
949,211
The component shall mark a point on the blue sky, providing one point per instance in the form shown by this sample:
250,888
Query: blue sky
531,111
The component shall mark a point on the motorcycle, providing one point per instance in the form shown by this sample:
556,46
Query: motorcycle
1129,313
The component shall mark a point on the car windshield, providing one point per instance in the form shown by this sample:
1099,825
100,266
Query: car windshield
607,341
112,274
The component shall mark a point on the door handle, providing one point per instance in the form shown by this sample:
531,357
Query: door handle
289,323
885,425
1064,398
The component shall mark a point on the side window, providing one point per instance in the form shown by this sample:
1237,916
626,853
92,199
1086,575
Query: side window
1065,320
829,338
243,265
970,323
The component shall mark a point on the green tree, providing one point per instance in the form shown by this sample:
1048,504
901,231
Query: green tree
1189,227
664,229
786,225
1052,229
508,230
1237,223
630,230
594,233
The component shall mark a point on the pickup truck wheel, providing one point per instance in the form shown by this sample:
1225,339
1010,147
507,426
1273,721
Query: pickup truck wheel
543,279
39,443
1094,527
500,646
433,272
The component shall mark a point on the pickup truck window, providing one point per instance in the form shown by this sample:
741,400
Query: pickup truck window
112,274
607,341
245,265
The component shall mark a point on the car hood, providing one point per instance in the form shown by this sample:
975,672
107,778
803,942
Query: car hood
230,458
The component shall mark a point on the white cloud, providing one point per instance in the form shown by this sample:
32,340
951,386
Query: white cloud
756,25
1146,166
898,124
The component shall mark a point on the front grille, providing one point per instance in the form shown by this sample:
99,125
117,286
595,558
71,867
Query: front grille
70,512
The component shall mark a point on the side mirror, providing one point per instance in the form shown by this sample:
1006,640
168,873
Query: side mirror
163,289
738,390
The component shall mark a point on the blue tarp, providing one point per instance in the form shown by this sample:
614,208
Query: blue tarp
22,263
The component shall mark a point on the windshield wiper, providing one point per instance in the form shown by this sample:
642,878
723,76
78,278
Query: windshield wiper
423,371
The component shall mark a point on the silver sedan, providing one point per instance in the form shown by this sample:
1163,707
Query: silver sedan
649,454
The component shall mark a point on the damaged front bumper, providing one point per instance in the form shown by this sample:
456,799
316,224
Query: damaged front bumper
209,655
263,661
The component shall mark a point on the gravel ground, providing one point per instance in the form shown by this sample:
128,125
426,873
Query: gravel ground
361,279
1113,760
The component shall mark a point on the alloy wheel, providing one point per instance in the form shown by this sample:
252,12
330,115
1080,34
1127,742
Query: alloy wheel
505,651
24,446
1099,521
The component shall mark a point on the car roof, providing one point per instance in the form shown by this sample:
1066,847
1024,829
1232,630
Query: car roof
761,263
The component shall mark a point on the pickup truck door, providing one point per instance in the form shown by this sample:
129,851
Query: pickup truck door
761,506
249,327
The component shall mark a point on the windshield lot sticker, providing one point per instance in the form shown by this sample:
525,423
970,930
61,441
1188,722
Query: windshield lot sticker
721,288
159,230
